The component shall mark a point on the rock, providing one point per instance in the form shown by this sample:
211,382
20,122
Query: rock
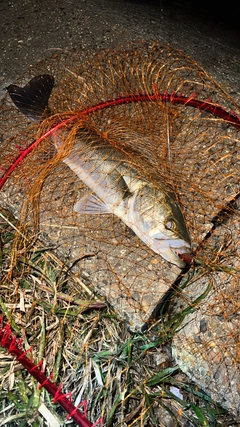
207,345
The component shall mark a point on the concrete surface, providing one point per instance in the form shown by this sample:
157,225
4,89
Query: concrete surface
33,30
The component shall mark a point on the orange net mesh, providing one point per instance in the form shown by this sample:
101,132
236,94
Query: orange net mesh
191,151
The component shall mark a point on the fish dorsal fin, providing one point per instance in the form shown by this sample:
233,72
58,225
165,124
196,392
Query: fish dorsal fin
32,99
90,204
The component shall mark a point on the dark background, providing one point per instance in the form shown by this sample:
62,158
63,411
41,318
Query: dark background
208,31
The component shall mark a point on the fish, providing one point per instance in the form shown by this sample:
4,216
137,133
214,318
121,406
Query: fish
115,184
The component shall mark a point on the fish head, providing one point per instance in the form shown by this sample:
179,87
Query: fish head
170,246
163,226
170,237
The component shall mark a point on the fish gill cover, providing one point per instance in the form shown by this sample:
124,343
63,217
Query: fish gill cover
179,129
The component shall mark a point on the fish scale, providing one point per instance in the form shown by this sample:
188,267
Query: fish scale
116,186
146,210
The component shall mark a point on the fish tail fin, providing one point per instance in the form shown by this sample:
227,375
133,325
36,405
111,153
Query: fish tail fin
32,99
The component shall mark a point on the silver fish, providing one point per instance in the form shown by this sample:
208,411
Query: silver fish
116,186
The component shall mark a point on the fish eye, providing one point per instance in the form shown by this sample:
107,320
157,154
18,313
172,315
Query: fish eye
171,224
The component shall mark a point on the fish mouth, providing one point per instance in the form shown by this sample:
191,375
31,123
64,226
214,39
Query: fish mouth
177,251
186,257
183,252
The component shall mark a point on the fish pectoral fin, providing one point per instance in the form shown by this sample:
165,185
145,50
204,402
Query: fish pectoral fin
134,184
90,204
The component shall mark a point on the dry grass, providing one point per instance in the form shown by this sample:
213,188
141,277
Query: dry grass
128,379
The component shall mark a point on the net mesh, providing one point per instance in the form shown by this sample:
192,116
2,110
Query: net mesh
191,151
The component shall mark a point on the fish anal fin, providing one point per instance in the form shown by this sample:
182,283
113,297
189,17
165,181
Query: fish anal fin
90,204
